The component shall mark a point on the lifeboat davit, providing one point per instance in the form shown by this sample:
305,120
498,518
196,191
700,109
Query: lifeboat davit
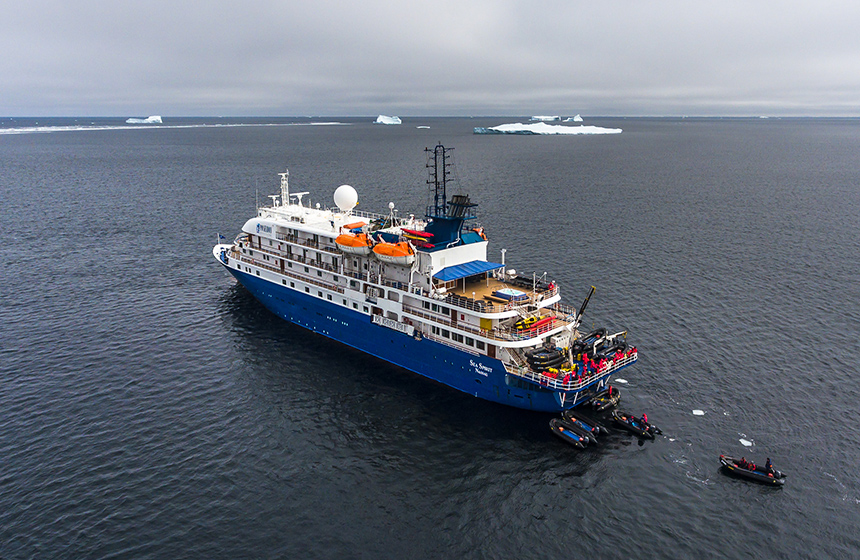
395,253
354,243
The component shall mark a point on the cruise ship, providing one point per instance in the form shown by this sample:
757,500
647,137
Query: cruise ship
419,292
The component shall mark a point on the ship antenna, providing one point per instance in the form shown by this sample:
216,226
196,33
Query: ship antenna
285,187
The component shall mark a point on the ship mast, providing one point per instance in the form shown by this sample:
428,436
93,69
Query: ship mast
285,187
439,178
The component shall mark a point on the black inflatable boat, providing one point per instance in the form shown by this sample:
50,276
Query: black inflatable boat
558,428
608,398
762,475
584,422
635,425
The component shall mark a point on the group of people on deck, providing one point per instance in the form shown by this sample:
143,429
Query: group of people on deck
589,366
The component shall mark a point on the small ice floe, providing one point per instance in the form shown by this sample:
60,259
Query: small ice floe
622,381
745,442
698,412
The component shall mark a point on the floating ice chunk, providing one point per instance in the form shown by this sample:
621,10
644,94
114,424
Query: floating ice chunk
382,119
745,442
577,118
543,128
698,412
622,381
545,118
153,119
422,127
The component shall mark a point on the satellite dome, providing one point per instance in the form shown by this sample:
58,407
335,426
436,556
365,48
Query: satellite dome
345,197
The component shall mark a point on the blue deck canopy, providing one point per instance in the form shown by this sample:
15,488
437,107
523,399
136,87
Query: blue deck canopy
466,269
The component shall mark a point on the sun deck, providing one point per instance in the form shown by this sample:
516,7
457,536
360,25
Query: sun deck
481,294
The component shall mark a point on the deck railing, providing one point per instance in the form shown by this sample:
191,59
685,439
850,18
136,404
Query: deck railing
454,300
327,285
502,334
572,385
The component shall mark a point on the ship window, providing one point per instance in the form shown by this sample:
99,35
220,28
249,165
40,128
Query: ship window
426,304
292,284
365,266
479,345
251,253
307,290
446,333
353,284
434,308
457,337
289,264
319,273
307,269
319,293
328,296
366,310
258,273
344,302
470,341
284,282
354,305
434,329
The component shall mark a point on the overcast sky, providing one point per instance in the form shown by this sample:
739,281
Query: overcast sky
437,57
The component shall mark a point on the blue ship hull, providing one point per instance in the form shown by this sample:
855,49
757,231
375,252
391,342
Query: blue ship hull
479,376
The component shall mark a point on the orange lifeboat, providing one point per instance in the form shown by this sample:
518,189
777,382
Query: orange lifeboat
354,243
395,253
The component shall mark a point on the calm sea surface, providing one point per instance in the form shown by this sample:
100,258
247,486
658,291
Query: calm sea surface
150,408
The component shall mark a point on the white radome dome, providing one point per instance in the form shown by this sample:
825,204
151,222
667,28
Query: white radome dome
345,198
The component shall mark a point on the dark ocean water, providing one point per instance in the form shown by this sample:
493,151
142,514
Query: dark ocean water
152,409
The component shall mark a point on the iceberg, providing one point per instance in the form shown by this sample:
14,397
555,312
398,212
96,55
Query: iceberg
543,128
382,119
545,118
576,118
154,119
